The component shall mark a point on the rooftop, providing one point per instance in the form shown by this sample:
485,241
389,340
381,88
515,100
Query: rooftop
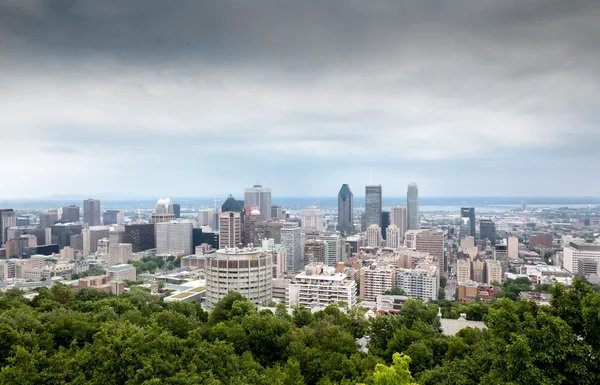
121,267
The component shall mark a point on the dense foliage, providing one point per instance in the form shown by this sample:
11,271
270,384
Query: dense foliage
89,337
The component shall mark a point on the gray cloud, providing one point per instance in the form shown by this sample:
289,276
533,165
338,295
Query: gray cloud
289,91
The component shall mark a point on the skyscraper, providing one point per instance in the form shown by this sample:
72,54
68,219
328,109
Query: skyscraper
312,219
385,222
398,218
91,212
7,219
394,238
373,205
70,214
258,195
487,229
177,210
374,236
345,210
141,237
230,229
469,212
174,237
412,207
291,239
232,204
333,248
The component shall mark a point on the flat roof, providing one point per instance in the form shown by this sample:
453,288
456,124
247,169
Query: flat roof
120,267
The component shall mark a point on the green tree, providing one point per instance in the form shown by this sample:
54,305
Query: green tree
396,374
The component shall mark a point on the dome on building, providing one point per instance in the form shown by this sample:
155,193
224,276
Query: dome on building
164,206
255,212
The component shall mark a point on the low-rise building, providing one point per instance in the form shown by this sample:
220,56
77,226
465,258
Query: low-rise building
420,283
320,286
123,272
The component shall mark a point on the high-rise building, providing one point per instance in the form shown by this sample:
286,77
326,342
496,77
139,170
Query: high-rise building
463,270
376,281
48,218
291,239
258,195
61,233
208,217
385,222
92,235
230,229
177,210
412,207
311,219
7,219
373,205
70,214
319,286
314,251
468,212
487,229
164,206
174,237
431,242
512,247
113,217
248,271
141,237
345,210
91,212
374,236
276,212
576,256
269,230
333,248
420,283
232,204
394,238
398,218
494,272
253,217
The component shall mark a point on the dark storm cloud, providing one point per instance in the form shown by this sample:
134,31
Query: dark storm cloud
289,85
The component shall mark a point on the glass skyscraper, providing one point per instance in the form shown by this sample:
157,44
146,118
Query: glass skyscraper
345,209
412,207
373,205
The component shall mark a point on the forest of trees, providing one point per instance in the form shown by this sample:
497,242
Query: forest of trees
88,337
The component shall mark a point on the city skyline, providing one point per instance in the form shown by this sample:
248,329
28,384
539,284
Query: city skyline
420,91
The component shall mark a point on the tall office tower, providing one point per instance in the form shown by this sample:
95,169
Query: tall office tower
523,206
312,219
141,237
385,222
164,206
230,229
91,212
345,210
431,242
314,251
258,195
61,233
208,218
374,236
394,238
269,230
174,237
7,219
276,212
92,235
412,207
469,212
333,248
116,235
253,217
487,229
291,239
177,210
70,214
373,205
113,217
513,247
48,218
248,271
232,204
398,218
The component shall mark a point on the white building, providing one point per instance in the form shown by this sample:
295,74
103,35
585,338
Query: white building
376,281
463,270
575,256
494,271
312,219
321,286
121,272
174,237
512,247
419,283
248,271
373,236
394,237
398,218
333,248
208,218
119,253
548,274
230,229
291,239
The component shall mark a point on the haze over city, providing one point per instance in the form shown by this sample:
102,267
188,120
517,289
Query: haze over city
152,98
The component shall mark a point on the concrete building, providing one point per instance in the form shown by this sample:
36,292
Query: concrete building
119,253
541,240
269,230
398,218
248,271
48,218
279,254
487,230
123,272
478,271
258,195
92,235
513,247
91,212
575,254
494,272
291,239
395,237
314,251
463,270
420,283
230,229
113,217
141,237
70,214
412,207
374,236
276,212
468,213
376,281
208,218
174,237
251,219
345,210
373,205
320,286
332,248
7,220
61,233
311,219
431,242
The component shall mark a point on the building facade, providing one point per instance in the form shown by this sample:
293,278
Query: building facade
230,229
91,212
468,213
345,210
141,237
291,239
394,238
373,205
398,218
374,236
412,207
487,230
258,195
320,286
174,237
70,214
311,219
420,283
375,282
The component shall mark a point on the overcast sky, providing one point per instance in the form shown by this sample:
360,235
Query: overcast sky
203,98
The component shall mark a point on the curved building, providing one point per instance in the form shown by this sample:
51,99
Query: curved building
248,271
